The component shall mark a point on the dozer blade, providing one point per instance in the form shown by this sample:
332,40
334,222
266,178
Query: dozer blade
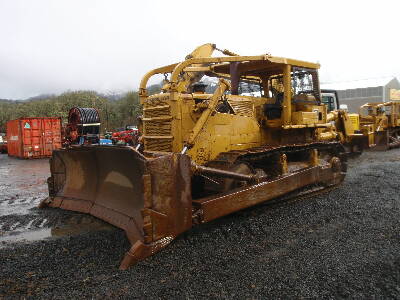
148,198
381,140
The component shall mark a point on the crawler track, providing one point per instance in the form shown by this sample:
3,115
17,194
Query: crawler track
259,153
344,244
267,158
394,138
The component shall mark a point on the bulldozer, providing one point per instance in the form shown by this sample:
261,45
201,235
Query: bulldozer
346,125
205,155
380,124
376,126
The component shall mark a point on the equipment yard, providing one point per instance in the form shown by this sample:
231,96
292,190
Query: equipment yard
343,243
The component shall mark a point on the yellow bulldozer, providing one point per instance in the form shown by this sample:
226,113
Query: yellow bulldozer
203,155
380,123
376,126
347,125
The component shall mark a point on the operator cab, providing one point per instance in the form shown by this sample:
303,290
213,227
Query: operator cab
330,99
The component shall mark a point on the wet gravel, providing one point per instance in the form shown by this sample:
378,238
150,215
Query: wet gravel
341,244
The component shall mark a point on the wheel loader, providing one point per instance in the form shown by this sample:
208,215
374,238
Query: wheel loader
205,155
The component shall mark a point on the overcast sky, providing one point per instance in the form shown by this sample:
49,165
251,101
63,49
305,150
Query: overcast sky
50,46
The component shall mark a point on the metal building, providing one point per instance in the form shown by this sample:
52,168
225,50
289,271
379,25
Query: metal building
358,92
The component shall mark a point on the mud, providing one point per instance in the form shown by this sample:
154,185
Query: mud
23,184
341,244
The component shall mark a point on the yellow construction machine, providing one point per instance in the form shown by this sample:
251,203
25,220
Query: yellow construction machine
380,123
346,125
205,155
347,128
376,126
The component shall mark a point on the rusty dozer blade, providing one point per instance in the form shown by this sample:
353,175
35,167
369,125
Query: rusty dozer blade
148,198
381,140
151,198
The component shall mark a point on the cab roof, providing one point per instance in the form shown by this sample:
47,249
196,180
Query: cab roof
269,65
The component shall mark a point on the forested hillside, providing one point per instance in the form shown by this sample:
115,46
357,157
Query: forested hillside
115,111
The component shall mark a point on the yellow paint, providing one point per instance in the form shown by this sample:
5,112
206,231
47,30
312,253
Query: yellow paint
355,121
394,94
176,120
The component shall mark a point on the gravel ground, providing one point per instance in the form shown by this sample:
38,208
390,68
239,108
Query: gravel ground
341,244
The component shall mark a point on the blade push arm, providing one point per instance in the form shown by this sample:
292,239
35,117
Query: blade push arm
223,85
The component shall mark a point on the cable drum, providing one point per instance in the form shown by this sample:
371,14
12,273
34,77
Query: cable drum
87,115
83,125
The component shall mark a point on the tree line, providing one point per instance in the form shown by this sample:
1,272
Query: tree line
114,113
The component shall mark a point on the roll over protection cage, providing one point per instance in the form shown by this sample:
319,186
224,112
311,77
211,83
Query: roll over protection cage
230,63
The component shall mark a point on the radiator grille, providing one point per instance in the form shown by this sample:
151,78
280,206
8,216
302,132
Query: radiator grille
157,123
158,127
242,107
157,111
158,144
156,102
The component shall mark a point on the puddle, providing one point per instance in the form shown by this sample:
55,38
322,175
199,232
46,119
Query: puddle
22,184
72,229
26,236
19,206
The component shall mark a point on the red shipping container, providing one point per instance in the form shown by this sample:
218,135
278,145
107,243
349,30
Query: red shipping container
33,137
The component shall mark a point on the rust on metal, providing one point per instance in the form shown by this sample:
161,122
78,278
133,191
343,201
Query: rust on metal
148,198
151,198
33,137
216,207
203,156
223,173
